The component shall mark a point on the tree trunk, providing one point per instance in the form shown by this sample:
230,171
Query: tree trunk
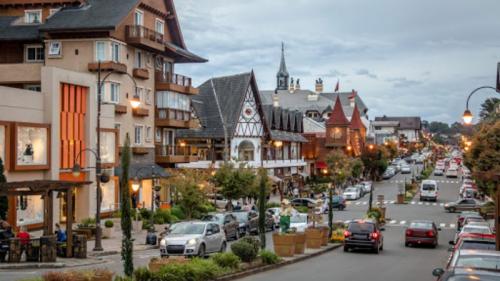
330,211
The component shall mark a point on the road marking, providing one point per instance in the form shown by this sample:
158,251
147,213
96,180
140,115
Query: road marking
420,203
442,225
385,202
402,222
427,203
441,204
434,204
452,225
364,203
413,202
347,221
357,203
392,202
393,222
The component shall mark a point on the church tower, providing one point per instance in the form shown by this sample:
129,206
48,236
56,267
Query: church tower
282,75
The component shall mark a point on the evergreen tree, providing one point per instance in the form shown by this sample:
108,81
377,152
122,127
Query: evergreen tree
126,212
3,199
263,192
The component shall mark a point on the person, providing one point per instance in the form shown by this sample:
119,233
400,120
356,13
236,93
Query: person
295,192
23,236
5,235
247,207
237,207
61,234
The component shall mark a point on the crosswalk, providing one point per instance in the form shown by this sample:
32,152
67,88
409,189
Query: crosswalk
404,223
439,181
390,202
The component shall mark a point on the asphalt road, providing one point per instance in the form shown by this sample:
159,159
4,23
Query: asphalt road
396,262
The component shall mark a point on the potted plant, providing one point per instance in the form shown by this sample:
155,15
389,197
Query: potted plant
107,232
137,223
314,235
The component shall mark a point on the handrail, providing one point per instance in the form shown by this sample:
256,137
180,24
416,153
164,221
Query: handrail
173,150
139,31
177,79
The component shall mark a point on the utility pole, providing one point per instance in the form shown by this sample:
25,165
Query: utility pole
98,234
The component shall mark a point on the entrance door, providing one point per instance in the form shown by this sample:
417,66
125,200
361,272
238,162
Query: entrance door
63,203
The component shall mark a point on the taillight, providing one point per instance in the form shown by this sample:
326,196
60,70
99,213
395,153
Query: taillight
430,233
374,235
409,232
347,234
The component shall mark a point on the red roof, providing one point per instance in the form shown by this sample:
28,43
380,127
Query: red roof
356,123
337,117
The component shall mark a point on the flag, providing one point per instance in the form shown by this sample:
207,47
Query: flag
337,86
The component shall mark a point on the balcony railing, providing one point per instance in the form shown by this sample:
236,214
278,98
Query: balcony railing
167,117
145,37
177,79
175,154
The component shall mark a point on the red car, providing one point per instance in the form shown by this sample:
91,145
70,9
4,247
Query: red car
422,232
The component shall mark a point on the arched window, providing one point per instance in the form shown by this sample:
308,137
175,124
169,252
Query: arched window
246,151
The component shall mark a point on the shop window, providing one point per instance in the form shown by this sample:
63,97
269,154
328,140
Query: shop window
32,146
108,202
246,151
108,146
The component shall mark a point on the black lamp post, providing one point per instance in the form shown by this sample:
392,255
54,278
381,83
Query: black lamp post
467,117
135,102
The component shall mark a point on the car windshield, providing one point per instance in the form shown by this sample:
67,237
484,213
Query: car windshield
481,261
215,218
298,219
421,225
480,230
350,189
478,245
428,187
472,276
361,227
188,228
241,216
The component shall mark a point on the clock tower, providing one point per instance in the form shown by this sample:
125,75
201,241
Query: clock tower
337,127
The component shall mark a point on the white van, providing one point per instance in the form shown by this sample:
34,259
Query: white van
429,190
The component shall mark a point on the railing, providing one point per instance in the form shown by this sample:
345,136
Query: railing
172,150
139,31
177,79
172,114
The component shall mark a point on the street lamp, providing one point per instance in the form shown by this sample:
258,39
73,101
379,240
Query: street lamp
467,116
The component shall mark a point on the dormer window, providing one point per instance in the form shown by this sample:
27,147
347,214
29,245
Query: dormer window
139,17
33,16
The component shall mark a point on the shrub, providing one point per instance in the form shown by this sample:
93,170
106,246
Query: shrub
143,274
165,215
109,224
145,213
125,278
302,209
227,260
252,241
269,257
177,212
88,222
196,270
33,279
146,224
273,205
158,219
245,251
374,213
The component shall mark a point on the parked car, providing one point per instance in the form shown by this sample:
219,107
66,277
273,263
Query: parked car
429,190
482,230
466,274
248,222
422,232
363,234
438,172
194,238
474,259
389,173
367,186
352,193
452,172
298,222
405,169
474,220
473,242
339,203
304,202
462,205
464,215
228,223
469,193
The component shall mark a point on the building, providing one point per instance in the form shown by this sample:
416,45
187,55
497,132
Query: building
399,129
53,51
231,115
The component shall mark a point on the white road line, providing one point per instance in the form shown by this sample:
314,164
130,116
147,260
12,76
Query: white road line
413,202
441,204
393,222
357,203
452,225
392,202
385,202
427,203
364,203
347,221
442,225
434,204
402,222
420,203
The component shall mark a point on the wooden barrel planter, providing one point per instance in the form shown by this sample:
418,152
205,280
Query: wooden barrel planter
325,238
300,243
284,244
314,237
15,250
80,246
33,251
48,248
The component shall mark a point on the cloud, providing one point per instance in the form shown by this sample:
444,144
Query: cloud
367,73
403,82
334,73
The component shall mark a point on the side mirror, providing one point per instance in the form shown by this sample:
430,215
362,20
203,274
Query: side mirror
209,232
451,242
438,272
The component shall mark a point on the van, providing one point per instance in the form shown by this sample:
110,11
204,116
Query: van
452,172
429,190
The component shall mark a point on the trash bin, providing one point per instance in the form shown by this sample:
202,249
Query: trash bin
80,246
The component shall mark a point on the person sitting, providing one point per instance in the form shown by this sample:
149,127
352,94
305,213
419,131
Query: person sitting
23,235
5,235
61,234
238,206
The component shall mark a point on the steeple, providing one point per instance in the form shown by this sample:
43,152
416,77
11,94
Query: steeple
282,75
337,116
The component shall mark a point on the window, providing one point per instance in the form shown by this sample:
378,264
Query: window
100,51
33,16
114,93
158,135
117,126
149,132
138,134
115,52
138,59
140,93
148,96
165,99
160,26
246,151
35,53
35,87
139,17
55,49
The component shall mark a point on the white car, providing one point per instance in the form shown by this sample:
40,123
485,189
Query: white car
438,172
352,193
429,190
367,186
298,222
452,173
405,169
474,229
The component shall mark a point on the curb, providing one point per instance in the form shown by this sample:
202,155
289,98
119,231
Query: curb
54,265
111,253
242,274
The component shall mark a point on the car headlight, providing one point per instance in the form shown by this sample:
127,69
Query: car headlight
446,205
163,242
191,242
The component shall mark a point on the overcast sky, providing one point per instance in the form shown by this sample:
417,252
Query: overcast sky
404,57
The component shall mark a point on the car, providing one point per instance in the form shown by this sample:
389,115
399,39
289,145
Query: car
465,214
405,169
367,186
474,220
422,232
248,222
389,173
193,238
469,193
473,242
429,190
475,229
452,172
475,259
299,222
438,172
338,203
304,202
396,167
275,213
457,274
352,193
363,234
228,222
466,204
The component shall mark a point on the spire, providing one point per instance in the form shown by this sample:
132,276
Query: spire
282,75
337,117
356,123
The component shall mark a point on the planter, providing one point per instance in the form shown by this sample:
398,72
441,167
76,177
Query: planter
156,264
137,225
284,244
314,236
324,238
107,232
300,243
401,199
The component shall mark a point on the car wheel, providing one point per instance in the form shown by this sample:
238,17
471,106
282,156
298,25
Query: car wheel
376,250
407,244
346,249
452,210
201,251
223,247
382,247
341,208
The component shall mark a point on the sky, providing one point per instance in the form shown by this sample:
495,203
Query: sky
404,57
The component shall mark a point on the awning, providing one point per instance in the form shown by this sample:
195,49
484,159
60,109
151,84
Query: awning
143,171
321,165
275,178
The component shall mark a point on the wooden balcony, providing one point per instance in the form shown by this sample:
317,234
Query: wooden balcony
120,109
140,73
144,38
174,82
174,118
169,154
108,66
139,150
140,112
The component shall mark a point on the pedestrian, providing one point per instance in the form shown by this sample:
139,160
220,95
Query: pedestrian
238,206
23,235
61,234
295,192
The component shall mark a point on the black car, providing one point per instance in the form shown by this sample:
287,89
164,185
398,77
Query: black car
249,222
228,223
363,234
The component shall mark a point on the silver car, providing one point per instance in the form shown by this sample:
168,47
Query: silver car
194,238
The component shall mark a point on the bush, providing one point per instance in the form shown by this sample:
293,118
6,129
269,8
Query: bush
88,222
245,251
269,257
227,260
109,224
143,274
302,209
33,279
145,213
146,224
195,270
162,215
125,278
177,212
252,241
374,213
273,205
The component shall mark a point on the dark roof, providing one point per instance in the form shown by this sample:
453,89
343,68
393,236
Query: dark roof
10,32
337,117
287,136
410,123
97,14
295,128
143,171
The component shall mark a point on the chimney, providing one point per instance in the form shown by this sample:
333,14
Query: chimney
276,99
319,86
292,86
352,98
297,84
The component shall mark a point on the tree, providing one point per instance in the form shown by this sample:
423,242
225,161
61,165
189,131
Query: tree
126,212
374,158
234,182
190,185
4,202
439,127
340,168
357,168
264,188
392,149
489,109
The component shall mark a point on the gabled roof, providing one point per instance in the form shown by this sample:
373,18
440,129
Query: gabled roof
405,123
313,126
11,32
356,123
337,117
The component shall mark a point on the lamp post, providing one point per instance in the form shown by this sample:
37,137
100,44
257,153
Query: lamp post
135,102
467,116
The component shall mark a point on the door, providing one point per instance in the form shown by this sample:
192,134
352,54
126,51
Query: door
169,142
